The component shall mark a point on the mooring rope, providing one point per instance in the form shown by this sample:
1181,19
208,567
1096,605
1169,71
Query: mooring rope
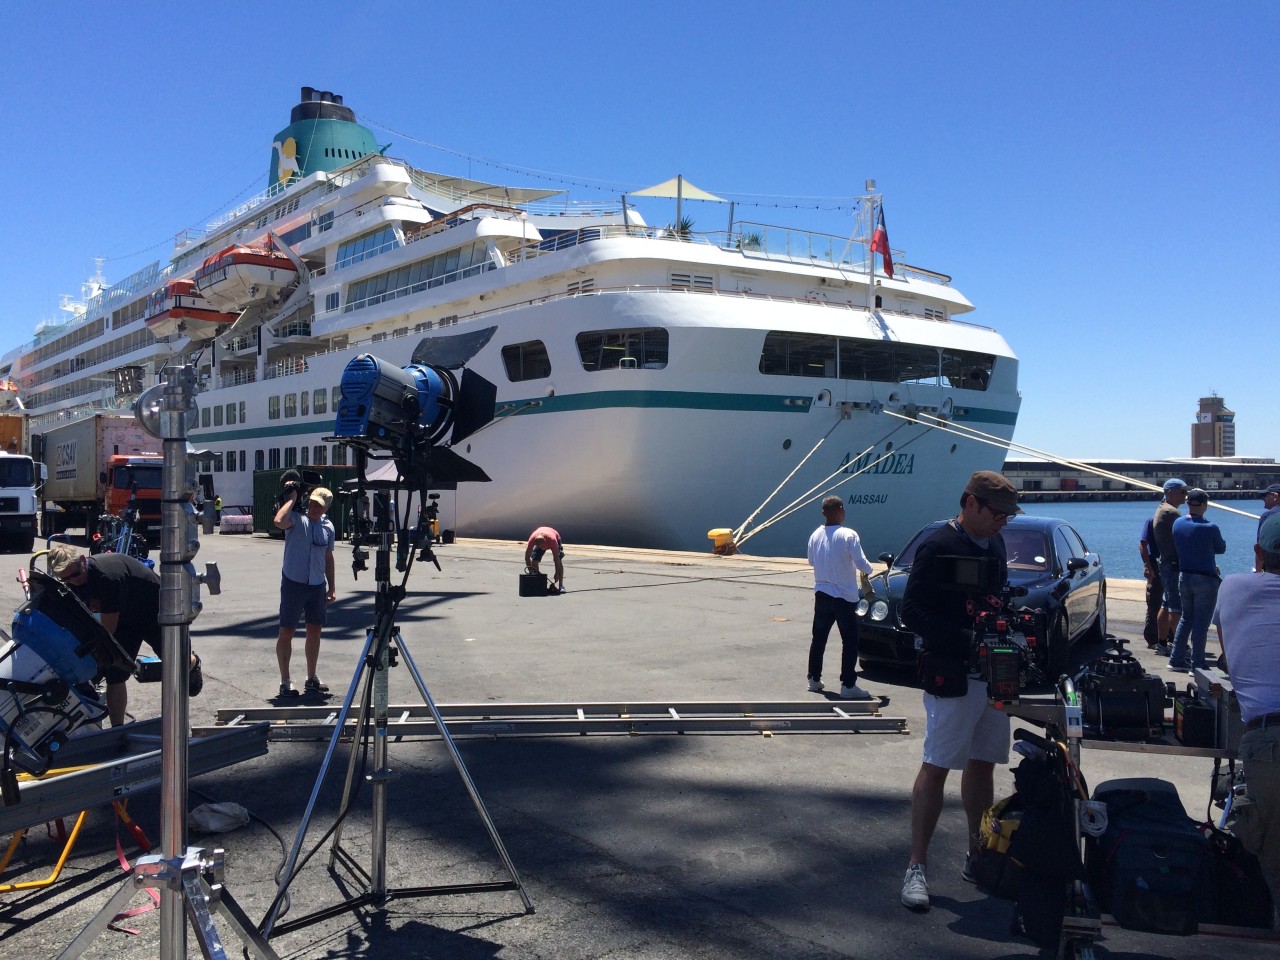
808,496
972,433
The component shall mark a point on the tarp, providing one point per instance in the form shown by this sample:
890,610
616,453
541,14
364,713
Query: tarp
675,188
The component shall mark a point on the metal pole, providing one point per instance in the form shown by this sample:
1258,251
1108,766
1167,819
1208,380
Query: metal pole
176,583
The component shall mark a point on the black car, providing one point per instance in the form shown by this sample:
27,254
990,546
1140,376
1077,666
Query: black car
1047,557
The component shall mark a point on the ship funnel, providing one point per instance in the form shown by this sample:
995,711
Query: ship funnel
322,135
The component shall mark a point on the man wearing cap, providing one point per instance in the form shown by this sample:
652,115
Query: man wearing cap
308,567
1175,493
840,571
1198,542
125,593
962,730
1270,504
1248,615
1154,593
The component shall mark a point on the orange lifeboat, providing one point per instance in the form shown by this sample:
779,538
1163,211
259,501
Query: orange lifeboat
177,307
239,276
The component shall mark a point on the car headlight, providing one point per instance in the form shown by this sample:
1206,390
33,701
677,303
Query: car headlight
862,608
879,610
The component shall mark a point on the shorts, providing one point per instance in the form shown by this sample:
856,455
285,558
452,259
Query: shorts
1169,578
131,646
960,729
297,599
540,552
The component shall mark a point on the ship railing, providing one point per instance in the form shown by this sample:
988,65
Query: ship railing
237,378
474,270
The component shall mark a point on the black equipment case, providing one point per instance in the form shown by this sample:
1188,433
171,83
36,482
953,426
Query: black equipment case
1152,869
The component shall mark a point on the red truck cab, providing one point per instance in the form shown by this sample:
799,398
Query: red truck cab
119,477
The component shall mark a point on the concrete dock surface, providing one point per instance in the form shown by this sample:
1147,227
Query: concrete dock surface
630,847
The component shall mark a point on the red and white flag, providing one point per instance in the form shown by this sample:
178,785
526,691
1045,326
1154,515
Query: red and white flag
880,244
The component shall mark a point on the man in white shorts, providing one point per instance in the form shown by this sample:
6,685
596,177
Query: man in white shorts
962,731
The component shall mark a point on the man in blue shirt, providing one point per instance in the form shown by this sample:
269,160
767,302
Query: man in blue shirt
1270,504
308,566
1248,615
1198,541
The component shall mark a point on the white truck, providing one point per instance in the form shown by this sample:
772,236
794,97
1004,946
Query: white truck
20,477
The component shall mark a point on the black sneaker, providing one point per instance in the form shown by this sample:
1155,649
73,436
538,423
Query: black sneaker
195,678
313,685
287,689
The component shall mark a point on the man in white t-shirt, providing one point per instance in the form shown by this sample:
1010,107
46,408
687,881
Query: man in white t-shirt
839,566
1248,615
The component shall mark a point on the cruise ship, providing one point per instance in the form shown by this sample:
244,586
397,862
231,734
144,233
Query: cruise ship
653,383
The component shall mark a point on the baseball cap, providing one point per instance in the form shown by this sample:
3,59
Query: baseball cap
1269,534
322,496
62,557
994,490
1274,488
1174,484
1196,495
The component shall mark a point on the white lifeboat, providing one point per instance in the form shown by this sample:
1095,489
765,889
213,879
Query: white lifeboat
177,307
239,276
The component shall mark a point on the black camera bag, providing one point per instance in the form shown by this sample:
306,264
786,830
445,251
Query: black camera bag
1152,869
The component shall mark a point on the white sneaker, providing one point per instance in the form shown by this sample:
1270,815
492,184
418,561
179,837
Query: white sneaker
915,891
815,686
855,692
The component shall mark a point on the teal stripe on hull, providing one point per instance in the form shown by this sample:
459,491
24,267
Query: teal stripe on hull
606,400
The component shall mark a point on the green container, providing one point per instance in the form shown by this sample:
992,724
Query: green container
266,499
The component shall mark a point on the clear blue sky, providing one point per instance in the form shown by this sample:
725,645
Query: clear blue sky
1100,178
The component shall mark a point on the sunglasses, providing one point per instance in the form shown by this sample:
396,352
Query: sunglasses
995,514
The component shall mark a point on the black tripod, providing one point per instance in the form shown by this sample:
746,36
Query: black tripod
382,645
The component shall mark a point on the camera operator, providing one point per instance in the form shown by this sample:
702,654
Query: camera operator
1248,614
308,565
962,730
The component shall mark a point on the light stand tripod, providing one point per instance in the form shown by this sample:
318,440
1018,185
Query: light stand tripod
190,879
382,644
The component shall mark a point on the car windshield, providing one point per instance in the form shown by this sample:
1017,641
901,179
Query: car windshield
1026,549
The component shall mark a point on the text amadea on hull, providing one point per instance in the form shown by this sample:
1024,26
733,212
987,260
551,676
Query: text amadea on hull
652,382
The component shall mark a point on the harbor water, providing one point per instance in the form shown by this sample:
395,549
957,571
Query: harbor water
1112,530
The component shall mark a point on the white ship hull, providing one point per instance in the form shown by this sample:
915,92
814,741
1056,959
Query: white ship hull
657,458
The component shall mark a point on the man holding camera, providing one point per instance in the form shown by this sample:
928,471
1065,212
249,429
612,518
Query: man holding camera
1248,615
308,566
962,730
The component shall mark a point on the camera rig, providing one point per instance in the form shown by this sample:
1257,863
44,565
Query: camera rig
1007,639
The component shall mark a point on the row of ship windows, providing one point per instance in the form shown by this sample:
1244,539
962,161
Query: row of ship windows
784,354
274,458
647,348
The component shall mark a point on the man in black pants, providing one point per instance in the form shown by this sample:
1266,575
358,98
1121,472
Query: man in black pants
1150,554
126,592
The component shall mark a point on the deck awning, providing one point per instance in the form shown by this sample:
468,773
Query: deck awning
677,188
